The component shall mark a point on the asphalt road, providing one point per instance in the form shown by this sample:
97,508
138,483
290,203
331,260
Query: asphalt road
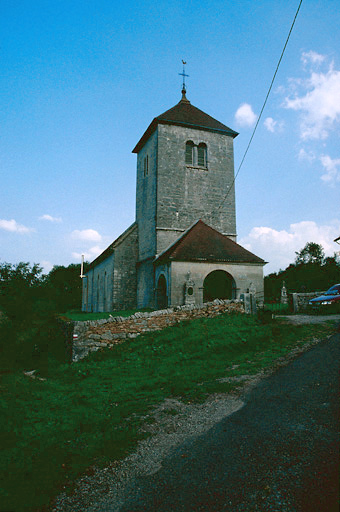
278,453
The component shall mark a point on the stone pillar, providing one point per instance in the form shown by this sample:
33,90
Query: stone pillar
295,303
245,297
189,295
249,301
284,296
253,303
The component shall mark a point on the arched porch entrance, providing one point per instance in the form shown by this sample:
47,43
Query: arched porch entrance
218,285
161,293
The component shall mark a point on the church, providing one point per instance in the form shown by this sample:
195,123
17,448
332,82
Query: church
182,247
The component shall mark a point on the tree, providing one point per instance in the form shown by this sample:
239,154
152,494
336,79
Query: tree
30,332
311,253
310,272
64,286
20,286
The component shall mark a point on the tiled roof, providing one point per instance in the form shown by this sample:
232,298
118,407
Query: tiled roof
203,243
185,114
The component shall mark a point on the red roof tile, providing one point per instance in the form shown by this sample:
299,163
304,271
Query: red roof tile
203,243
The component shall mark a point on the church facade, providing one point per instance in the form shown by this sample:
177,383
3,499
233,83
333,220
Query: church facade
182,247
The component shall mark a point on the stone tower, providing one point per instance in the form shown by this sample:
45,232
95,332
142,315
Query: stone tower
185,168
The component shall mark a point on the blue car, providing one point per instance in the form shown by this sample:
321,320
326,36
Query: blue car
329,301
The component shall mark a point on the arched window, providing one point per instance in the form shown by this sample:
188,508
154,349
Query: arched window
189,152
202,155
196,155
146,166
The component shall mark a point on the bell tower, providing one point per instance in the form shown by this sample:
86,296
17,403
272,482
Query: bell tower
185,172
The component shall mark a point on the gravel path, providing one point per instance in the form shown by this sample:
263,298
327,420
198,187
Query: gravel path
309,319
231,453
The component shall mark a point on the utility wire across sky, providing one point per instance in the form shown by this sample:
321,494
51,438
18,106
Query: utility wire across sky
262,109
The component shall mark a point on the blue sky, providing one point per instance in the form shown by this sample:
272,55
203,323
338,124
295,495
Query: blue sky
82,80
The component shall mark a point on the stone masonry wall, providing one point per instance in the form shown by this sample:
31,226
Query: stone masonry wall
300,300
187,193
125,273
146,197
91,336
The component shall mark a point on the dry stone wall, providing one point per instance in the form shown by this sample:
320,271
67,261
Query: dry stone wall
91,336
300,300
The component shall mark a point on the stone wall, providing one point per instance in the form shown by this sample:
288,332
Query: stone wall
145,284
125,273
186,193
300,300
98,286
111,284
91,336
245,276
146,198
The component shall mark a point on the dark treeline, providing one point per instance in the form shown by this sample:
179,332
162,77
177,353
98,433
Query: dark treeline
30,302
311,271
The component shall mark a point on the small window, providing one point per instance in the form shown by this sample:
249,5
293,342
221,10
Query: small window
189,153
202,155
146,165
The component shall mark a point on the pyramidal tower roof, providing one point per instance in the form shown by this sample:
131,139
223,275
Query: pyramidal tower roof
185,114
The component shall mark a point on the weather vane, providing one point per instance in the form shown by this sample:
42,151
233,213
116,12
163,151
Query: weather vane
183,75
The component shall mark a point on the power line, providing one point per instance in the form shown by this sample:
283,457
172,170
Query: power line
262,109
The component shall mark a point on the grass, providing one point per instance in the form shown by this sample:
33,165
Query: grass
90,412
277,308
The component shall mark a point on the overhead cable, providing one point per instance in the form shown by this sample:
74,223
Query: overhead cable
262,109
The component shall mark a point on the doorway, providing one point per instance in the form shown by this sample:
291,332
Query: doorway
219,285
161,293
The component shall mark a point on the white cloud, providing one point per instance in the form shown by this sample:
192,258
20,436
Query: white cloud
312,57
50,218
245,116
279,247
304,155
270,124
317,99
14,227
332,168
89,255
88,235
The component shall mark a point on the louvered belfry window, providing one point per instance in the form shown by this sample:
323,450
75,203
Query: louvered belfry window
189,153
196,155
202,155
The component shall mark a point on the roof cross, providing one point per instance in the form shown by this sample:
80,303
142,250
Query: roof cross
183,75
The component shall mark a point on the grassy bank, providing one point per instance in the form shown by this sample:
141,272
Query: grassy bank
91,411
